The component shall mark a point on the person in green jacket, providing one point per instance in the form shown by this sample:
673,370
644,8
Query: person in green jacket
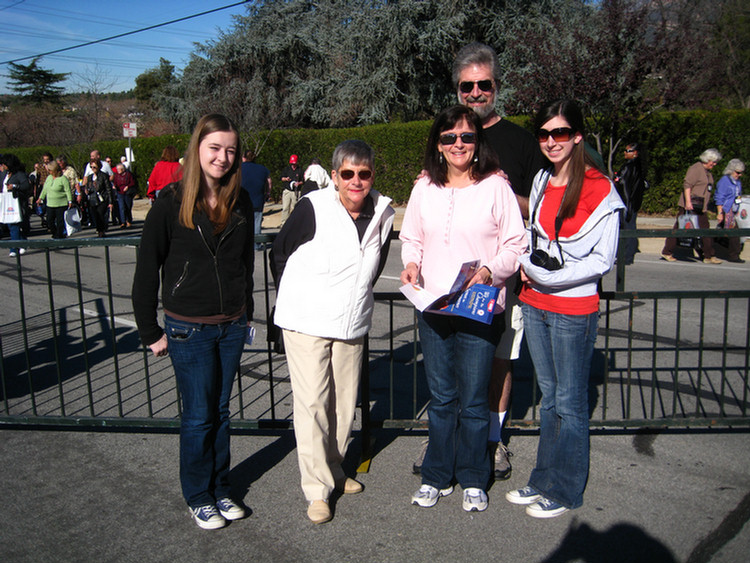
59,198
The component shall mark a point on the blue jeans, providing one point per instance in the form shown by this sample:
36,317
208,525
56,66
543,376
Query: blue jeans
458,357
630,244
258,217
206,359
561,347
15,233
125,205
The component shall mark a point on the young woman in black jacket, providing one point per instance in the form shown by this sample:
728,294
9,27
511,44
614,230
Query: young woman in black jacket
198,245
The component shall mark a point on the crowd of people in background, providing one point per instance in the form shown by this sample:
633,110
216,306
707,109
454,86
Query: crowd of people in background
103,195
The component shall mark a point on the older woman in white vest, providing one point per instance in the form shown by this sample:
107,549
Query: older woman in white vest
326,259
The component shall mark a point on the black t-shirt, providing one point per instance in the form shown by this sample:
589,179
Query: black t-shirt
519,154
296,175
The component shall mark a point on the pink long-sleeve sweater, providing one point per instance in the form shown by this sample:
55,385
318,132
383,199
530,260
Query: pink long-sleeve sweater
444,227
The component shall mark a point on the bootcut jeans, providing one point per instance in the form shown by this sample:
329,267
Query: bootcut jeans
458,356
561,348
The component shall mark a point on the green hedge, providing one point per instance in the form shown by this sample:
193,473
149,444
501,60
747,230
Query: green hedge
674,141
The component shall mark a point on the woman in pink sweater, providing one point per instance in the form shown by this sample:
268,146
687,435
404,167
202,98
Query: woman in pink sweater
461,210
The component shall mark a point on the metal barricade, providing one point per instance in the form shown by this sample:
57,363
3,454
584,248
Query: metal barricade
70,355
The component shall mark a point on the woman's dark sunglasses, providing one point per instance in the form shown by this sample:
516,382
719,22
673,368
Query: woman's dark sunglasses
484,86
450,138
559,135
349,174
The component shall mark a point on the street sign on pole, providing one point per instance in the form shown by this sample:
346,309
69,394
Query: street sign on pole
129,130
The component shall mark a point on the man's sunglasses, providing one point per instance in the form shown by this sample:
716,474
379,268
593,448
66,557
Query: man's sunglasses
559,135
450,138
484,86
349,174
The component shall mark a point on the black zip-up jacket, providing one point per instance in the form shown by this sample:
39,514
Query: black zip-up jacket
201,274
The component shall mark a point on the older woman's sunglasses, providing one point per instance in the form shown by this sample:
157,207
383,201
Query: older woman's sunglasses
349,174
559,135
450,138
484,86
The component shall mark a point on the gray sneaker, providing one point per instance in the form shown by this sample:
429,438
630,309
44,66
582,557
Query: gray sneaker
428,495
475,500
502,462
417,467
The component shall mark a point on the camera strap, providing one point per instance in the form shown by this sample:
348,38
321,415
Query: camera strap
558,219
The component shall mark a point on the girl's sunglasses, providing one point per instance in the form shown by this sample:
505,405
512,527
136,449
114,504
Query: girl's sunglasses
450,138
349,174
559,135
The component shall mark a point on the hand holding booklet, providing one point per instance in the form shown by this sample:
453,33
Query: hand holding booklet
476,302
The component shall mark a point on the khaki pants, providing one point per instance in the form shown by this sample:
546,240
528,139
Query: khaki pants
288,202
325,379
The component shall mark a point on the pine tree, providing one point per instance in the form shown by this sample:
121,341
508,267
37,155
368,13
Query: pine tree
35,84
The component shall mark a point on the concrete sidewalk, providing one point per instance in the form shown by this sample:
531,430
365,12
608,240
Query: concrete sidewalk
80,496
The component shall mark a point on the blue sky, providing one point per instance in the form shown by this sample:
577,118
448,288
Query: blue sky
32,27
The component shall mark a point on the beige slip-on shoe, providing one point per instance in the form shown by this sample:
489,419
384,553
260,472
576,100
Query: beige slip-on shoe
319,512
350,487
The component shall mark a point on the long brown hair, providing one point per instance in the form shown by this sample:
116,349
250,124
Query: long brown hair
580,160
190,185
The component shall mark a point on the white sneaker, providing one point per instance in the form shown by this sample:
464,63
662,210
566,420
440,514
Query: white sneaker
526,495
475,500
427,495
22,251
545,508
207,517
230,509
12,254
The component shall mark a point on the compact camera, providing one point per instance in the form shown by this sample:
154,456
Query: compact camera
543,260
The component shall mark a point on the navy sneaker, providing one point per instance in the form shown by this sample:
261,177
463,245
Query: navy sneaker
230,509
527,495
207,517
545,508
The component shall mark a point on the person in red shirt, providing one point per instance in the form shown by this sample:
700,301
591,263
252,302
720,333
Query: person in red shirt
573,231
166,171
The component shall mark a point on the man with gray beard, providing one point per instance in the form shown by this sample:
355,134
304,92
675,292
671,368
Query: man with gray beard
475,77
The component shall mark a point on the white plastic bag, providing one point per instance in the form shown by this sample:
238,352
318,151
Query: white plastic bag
72,220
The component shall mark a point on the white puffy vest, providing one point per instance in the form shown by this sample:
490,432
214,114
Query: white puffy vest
326,287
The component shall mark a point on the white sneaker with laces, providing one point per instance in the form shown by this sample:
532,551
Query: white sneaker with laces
545,508
525,495
475,500
427,495
230,509
207,517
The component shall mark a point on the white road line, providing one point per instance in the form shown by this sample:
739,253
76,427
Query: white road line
125,322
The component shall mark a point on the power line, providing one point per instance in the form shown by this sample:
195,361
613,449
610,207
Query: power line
126,33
